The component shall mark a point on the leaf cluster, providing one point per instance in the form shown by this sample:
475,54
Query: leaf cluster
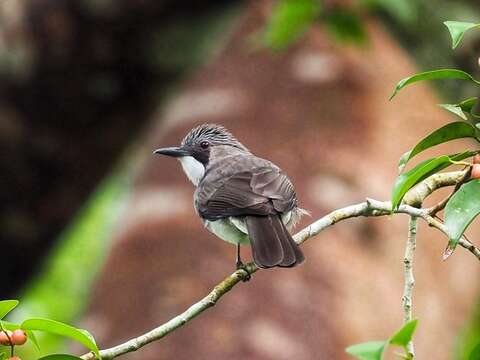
464,204
32,325
373,350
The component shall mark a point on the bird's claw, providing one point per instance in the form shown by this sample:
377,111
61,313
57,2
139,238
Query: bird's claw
241,266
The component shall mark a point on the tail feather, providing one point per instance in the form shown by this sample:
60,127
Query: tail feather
292,253
266,247
272,244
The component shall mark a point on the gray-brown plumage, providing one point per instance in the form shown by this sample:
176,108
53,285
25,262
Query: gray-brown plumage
240,197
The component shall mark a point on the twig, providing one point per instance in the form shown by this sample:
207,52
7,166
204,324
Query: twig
409,278
422,213
367,208
208,301
432,211
420,192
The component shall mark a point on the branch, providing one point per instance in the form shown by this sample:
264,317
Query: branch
419,193
441,205
370,207
409,279
208,301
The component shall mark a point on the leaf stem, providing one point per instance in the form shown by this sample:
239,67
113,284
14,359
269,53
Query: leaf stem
464,163
12,347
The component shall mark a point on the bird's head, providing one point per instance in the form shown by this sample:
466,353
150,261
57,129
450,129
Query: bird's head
197,146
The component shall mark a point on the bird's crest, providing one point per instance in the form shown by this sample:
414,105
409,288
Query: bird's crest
215,134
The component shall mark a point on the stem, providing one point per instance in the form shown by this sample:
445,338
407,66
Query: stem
409,278
464,163
12,347
441,205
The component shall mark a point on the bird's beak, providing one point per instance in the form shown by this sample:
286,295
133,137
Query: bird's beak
172,151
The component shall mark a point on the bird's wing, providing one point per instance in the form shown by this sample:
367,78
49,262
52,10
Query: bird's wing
262,190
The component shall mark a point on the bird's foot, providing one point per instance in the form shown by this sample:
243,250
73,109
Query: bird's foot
241,266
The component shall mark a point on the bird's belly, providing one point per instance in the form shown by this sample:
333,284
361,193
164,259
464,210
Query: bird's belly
234,230
229,230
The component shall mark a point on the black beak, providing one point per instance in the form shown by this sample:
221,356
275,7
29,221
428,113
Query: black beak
172,151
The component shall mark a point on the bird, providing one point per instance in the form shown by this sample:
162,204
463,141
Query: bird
241,198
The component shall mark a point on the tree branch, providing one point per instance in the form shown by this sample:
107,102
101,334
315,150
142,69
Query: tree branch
208,301
370,207
409,278
441,205
419,193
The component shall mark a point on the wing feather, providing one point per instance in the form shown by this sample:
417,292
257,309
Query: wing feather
261,190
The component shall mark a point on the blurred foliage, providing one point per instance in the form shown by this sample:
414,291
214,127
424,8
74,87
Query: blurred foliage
417,25
346,26
424,36
184,44
92,84
405,12
61,290
469,338
289,20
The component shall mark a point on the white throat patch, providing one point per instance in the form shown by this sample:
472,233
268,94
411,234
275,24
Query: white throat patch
193,168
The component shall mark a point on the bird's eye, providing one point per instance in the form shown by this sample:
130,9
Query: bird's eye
204,144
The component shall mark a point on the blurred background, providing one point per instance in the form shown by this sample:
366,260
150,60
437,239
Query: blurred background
99,233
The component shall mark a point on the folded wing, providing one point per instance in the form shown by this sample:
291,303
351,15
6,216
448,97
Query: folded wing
260,192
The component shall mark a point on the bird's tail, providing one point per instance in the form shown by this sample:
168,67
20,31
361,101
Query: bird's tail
272,244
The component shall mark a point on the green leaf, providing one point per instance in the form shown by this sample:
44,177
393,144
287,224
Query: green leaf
468,104
404,11
409,179
460,211
60,357
452,131
475,354
289,21
457,29
3,356
58,328
6,306
31,336
455,109
372,350
433,75
10,326
403,336
346,26
403,161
